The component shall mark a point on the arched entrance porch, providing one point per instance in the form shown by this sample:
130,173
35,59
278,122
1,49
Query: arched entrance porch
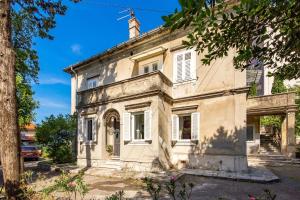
112,132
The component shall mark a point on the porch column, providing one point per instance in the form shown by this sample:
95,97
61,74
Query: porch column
291,136
284,135
288,137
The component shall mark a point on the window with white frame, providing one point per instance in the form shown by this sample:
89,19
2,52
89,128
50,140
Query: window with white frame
184,66
250,132
137,126
186,127
150,67
92,82
87,129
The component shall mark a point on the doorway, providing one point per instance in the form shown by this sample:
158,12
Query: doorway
112,123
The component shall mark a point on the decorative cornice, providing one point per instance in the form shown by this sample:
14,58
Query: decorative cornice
138,105
193,107
212,94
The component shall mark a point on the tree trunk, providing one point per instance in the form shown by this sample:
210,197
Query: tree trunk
9,135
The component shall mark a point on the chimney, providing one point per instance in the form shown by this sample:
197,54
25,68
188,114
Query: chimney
134,26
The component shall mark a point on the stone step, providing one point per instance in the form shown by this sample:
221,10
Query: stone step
111,164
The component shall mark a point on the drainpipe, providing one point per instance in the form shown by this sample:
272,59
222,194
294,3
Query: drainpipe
75,103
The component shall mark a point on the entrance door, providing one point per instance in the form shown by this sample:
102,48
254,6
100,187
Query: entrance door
117,138
112,120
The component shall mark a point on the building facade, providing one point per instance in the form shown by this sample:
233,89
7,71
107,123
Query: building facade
150,103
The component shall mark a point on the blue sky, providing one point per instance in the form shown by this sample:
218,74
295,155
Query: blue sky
88,28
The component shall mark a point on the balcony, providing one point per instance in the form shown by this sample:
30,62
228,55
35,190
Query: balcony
271,104
135,87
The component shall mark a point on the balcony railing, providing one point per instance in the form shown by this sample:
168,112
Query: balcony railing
134,87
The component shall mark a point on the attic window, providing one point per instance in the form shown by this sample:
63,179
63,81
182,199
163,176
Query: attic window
92,82
150,67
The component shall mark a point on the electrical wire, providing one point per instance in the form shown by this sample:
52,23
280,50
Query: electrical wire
114,5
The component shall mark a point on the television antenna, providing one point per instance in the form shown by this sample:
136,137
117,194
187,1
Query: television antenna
129,11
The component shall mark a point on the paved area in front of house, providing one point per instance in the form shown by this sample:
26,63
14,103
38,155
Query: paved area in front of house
106,183
205,188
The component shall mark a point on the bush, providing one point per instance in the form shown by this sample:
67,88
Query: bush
56,134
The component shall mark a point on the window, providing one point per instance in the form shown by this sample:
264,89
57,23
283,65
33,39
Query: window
150,67
92,82
138,126
184,66
250,132
89,129
155,66
146,69
185,127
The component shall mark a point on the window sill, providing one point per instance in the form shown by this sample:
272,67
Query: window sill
185,143
185,82
144,142
88,143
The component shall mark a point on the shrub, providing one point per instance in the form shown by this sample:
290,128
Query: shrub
70,185
56,134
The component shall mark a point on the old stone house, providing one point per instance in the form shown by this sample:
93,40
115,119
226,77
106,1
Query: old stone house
149,102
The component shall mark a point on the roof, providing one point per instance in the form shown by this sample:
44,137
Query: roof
29,127
116,48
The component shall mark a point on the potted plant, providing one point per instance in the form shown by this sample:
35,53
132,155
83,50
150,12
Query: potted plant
109,149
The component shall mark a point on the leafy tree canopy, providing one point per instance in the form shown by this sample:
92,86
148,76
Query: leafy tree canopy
56,134
30,19
263,32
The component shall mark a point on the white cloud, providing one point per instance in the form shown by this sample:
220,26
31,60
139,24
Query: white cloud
49,103
53,81
76,49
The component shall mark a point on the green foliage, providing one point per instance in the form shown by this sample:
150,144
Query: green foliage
184,192
26,103
109,149
274,121
253,90
297,125
264,32
56,133
117,196
278,85
70,185
30,19
152,188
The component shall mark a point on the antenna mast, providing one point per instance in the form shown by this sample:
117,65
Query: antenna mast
130,14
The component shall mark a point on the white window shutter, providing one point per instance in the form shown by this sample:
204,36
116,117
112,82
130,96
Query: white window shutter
179,66
193,64
147,125
94,137
175,127
187,65
195,125
126,126
80,129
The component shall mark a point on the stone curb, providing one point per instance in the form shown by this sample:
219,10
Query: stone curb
261,175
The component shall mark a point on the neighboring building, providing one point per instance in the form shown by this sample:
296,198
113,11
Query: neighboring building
149,103
28,134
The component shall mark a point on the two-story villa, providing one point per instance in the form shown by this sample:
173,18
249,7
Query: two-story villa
149,102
